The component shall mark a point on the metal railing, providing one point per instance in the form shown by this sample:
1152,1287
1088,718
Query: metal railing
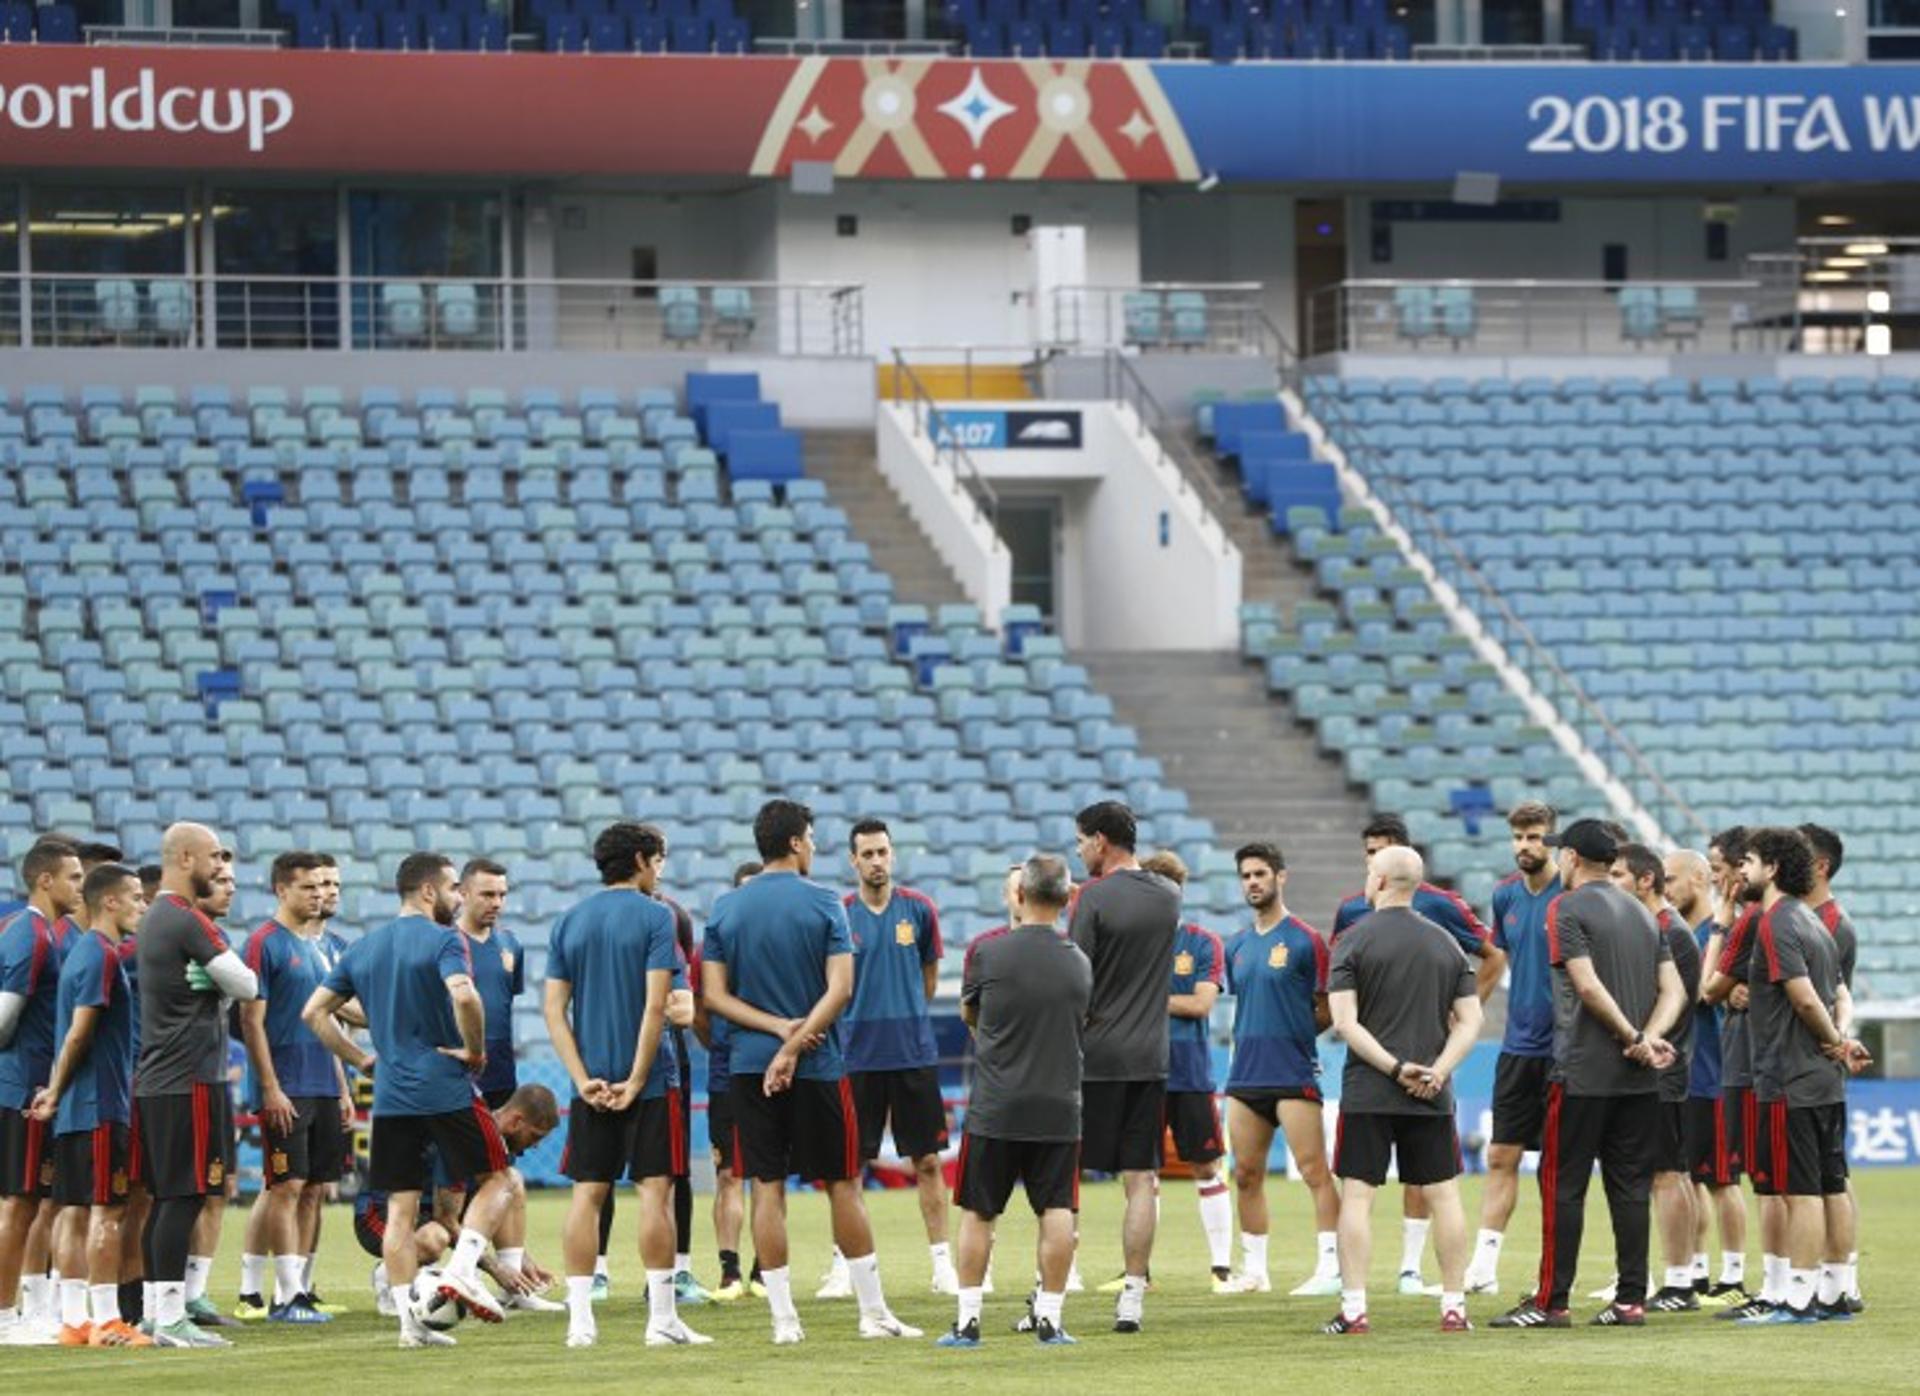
975,370
1125,385
1218,317
1831,293
930,421
1615,750
470,314
1528,316
147,35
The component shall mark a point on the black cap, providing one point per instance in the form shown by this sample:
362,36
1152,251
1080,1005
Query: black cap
1588,838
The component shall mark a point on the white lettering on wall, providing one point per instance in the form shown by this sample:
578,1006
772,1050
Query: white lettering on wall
142,106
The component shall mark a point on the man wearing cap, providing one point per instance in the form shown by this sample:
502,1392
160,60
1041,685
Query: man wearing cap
1615,995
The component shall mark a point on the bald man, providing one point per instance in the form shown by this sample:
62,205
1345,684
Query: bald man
186,1114
1402,997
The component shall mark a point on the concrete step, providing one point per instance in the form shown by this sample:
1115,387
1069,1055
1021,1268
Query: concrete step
845,462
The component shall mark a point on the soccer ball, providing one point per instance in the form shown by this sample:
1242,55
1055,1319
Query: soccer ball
436,1312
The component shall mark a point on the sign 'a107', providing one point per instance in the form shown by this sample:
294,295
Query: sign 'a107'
1748,123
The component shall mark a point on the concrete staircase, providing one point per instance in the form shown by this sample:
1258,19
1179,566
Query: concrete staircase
844,462
1244,763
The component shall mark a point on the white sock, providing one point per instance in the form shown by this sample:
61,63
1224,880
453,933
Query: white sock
380,1278
838,1266
660,1313
1133,1297
969,1311
39,1300
73,1303
513,1257
286,1278
1353,1304
1773,1279
105,1300
1328,1243
10,1316
865,1273
1733,1267
1700,1269
1216,1220
942,1255
149,1298
1047,1305
1850,1276
1799,1288
1485,1265
1413,1244
1253,1254
600,1266
465,1260
306,1274
1452,1302
682,1262
199,1271
253,1273
1828,1289
779,1285
1679,1277
579,1304
169,1302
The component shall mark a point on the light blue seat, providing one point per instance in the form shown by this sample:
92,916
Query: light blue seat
403,310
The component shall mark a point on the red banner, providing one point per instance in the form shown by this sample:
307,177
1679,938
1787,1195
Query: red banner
554,115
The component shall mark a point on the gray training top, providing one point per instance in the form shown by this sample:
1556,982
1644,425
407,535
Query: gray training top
1685,950
1406,974
1125,923
1029,987
1788,1065
183,1034
1599,922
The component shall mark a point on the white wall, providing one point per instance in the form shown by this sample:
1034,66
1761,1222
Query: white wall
1222,235
1665,237
699,236
944,510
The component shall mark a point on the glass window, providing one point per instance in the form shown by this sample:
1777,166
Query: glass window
421,264
98,251
276,253
9,263
206,14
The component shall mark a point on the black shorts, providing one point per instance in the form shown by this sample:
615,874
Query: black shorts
90,1167
186,1142
1800,1150
26,1155
1195,1123
910,1099
468,1140
1710,1153
1670,1138
1737,1102
313,1150
370,1226
720,1131
646,1140
1266,1103
812,1128
1427,1148
988,1169
1121,1124
1520,1099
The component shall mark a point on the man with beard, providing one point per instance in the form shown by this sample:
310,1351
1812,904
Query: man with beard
186,968
1828,853
206,1232
1728,966
414,980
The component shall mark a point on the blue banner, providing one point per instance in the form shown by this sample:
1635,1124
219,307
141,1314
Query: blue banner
1719,123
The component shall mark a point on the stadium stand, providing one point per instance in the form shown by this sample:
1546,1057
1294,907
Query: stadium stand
1766,529
412,619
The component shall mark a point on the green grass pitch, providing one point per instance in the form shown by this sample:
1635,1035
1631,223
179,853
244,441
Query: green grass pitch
1193,1341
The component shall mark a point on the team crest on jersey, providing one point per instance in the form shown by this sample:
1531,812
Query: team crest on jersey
506,961
119,1183
903,933
1183,963
216,1172
1277,957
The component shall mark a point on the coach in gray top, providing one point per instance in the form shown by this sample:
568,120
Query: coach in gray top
1402,997
1615,994
1125,920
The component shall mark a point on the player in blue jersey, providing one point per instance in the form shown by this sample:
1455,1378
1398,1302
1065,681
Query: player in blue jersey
729,1201
29,991
1710,1152
777,964
1450,912
92,855
414,980
612,964
297,1089
88,1102
499,971
891,1058
1199,973
1520,1076
1277,974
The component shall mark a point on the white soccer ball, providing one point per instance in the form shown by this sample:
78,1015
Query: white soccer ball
436,1312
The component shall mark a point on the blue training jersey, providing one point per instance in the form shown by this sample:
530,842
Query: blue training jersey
101,1091
887,1024
399,974
1274,977
1198,958
775,935
290,967
129,951
30,967
1447,910
719,1076
500,974
1703,1076
605,947
1520,929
